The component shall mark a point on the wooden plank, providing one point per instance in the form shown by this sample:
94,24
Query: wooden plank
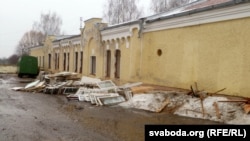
18,88
141,89
247,108
219,91
32,84
216,107
130,85
164,104
202,108
196,86
244,101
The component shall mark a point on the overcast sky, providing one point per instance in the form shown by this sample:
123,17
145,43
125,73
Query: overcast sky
18,16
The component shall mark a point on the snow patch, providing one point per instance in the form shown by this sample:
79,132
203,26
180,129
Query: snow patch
211,108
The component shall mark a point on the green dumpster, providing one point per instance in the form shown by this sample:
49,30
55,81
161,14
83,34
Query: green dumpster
27,66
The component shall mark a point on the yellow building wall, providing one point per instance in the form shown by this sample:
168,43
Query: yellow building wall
47,49
124,67
92,47
215,55
135,56
61,60
125,62
130,57
38,52
44,51
72,58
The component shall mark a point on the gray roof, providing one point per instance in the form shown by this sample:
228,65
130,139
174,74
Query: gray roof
194,7
36,46
63,37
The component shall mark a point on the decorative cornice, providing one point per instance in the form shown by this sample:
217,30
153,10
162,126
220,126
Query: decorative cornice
55,45
36,47
76,42
223,14
118,33
64,44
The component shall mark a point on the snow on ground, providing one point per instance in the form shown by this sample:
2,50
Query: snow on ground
215,108
150,102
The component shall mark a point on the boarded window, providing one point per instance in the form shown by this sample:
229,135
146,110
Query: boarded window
64,61
43,61
49,61
76,61
117,63
81,62
56,61
108,69
68,63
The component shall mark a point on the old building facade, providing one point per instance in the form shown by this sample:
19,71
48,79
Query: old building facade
209,46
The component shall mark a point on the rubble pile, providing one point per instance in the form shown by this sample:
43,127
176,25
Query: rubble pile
87,89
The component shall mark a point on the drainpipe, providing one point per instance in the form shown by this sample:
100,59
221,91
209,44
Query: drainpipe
141,22
140,36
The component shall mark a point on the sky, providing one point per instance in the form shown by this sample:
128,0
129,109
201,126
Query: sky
18,16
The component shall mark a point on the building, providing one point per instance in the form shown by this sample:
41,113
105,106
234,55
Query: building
205,42
38,52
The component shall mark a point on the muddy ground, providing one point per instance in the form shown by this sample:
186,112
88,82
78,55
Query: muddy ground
42,117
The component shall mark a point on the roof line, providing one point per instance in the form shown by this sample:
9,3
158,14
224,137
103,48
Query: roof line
212,7
122,24
68,37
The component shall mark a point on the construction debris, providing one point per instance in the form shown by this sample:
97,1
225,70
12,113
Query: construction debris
247,108
32,84
105,94
141,89
87,82
35,86
195,103
54,89
157,104
87,89
17,88
106,85
109,100
217,110
69,90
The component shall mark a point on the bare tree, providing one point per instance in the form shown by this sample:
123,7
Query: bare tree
29,39
158,6
119,11
49,24
3,61
13,59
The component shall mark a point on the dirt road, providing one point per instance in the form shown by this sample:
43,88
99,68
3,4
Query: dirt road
41,117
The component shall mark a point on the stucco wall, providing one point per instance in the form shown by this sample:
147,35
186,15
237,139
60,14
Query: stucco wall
92,47
214,55
38,52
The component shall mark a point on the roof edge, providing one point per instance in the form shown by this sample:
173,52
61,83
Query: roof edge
208,8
